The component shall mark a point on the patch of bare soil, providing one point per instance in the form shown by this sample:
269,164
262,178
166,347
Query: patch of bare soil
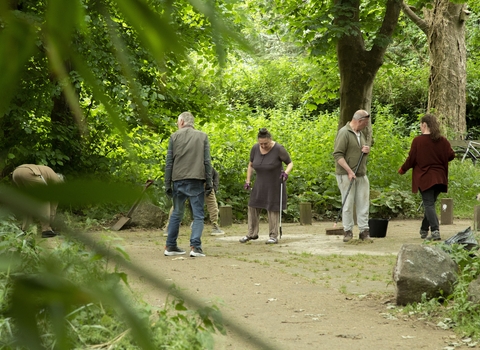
310,291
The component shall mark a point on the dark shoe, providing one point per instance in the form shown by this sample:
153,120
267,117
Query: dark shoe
246,239
365,235
170,251
434,237
347,236
49,234
423,234
196,252
271,240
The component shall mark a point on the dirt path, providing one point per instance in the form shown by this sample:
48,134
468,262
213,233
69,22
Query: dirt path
311,291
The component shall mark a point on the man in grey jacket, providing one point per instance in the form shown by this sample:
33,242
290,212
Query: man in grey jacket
351,166
188,175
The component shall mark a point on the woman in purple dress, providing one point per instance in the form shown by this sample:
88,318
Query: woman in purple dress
266,158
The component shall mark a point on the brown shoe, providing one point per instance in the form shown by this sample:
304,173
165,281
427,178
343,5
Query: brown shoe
365,235
348,236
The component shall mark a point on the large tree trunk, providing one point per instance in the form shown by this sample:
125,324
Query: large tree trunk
444,26
448,73
65,135
357,73
358,67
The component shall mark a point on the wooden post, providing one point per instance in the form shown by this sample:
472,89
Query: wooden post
226,215
446,211
476,218
305,214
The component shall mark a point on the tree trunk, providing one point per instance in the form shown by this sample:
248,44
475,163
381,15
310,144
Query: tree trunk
65,135
358,67
448,74
357,74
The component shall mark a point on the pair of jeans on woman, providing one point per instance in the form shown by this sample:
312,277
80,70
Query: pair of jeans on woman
194,191
430,218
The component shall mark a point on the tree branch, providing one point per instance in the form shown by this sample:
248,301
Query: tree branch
415,19
385,32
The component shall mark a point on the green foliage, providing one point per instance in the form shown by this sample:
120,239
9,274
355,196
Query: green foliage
404,90
391,203
68,297
310,144
463,187
389,150
98,71
266,84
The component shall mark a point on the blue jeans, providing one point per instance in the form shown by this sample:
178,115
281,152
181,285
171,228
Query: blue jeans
430,218
194,191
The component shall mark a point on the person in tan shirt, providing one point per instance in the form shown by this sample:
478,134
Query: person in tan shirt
30,175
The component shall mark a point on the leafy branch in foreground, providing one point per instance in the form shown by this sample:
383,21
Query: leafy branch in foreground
63,297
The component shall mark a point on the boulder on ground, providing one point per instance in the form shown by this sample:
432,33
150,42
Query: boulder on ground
423,269
148,215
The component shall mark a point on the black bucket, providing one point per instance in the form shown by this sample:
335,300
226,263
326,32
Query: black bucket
378,227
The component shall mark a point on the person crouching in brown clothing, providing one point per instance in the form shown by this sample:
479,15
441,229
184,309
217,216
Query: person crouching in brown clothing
29,175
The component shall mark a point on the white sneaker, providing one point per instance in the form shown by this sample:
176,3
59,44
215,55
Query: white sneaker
271,241
196,252
171,251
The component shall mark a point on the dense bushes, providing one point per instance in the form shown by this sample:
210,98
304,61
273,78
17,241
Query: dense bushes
310,144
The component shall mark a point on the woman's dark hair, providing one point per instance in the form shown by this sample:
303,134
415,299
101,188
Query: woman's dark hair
433,125
264,134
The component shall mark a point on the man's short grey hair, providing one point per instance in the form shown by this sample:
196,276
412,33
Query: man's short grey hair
188,118
360,114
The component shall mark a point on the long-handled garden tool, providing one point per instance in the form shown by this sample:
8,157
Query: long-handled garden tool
281,195
125,219
348,190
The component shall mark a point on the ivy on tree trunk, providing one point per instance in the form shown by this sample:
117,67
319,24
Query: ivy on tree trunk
448,61
444,25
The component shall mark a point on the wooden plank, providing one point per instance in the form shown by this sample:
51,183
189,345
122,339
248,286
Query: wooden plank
476,218
305,213
446,215
226,215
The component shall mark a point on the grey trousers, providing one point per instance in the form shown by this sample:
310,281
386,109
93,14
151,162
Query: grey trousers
358,197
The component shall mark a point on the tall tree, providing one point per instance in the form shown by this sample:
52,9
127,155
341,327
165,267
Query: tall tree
127,60
358,65
443,23
360,31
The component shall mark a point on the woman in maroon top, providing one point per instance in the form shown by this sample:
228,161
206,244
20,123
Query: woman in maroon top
428,157
266,158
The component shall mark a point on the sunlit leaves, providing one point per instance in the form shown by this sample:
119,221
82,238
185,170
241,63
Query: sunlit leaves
17,43
115,56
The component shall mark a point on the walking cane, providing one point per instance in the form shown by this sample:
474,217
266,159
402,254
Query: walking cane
348,190
281,194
